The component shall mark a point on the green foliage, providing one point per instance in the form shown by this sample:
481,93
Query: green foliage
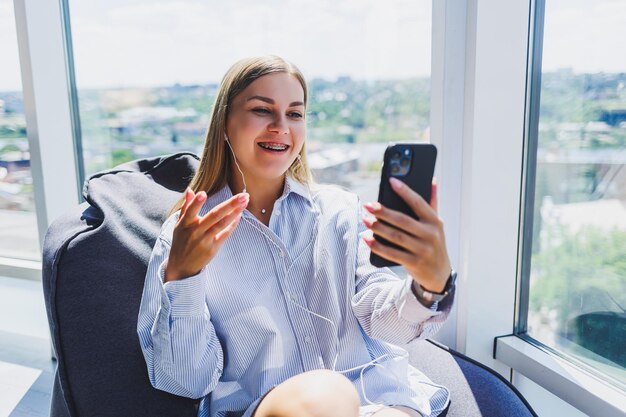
9,148
586,271
579,98
377,111
8,132
572,98
203,104
119,156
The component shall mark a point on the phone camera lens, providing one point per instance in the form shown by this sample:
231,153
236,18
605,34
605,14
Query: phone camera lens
405,162
395,169
396,155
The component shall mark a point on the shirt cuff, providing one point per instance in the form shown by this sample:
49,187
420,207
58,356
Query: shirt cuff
410,308
185,297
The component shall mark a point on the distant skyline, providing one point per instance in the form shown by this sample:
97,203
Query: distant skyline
128,43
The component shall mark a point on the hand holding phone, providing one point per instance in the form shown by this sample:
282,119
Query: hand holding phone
414,165
407,229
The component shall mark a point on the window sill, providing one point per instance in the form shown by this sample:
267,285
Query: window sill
20,268
570,383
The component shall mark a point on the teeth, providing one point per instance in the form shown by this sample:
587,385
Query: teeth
273,146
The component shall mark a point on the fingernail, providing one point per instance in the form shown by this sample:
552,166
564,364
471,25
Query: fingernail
201,196
372,207
243,198
367,222
396,184
368,240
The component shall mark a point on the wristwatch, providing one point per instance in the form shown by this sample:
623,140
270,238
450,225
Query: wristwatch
432,297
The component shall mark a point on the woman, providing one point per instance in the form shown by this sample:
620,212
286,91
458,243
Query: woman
260,298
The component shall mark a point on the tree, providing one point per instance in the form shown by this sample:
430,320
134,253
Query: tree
583,273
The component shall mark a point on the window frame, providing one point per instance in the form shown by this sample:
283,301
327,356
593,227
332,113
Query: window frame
529,166
572,381
495,98
44,55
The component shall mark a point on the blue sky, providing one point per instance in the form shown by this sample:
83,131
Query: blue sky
148,42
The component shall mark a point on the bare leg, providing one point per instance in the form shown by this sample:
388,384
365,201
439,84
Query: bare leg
319,393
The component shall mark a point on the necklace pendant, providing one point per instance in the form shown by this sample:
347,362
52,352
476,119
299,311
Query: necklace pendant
262,211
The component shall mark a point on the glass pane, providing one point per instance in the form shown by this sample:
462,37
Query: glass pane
578,272
147,74
18,223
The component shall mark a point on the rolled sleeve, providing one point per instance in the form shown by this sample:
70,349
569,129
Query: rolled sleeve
185,297
410,309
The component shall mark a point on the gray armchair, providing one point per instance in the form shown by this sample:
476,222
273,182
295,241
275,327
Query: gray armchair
94,263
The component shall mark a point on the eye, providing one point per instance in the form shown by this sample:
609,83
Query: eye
261,110
295,115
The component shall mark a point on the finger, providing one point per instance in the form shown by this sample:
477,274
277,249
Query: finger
433,196
191,213
225,233
415,201
395,255
237,202
406,241
189,195
399,220
222,224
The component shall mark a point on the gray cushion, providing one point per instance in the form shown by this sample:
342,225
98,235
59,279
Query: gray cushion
94,263
475,390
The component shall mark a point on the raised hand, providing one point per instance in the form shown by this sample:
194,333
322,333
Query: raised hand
197,239
424,253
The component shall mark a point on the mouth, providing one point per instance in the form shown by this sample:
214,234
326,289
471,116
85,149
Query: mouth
273,146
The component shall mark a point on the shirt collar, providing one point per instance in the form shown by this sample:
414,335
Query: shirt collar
294,186
291,186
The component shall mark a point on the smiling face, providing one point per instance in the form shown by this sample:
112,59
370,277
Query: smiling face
266,125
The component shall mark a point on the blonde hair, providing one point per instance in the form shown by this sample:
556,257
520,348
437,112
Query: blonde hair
215,164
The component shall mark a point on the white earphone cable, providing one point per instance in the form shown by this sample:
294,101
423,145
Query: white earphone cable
243,178
373,362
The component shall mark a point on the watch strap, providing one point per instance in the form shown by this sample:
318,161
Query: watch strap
428,298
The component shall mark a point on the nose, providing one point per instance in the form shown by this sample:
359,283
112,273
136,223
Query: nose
279,125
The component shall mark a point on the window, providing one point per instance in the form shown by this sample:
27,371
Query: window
147,75
18,223
577,245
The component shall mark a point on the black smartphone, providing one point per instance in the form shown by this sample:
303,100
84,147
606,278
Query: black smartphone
413,164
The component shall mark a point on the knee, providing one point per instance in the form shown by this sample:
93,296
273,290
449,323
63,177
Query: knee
319,393
326,393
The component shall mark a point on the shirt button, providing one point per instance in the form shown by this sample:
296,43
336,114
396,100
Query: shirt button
281,253
277,212
307,339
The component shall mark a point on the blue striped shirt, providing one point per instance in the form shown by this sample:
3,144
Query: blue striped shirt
241,326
